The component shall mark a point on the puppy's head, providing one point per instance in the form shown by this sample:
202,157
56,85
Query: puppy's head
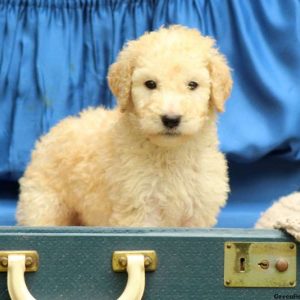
169,81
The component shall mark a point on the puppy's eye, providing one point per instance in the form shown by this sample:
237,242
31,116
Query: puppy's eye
192,85
150,84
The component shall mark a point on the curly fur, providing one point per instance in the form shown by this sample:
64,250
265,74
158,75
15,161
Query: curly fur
122,167
283,214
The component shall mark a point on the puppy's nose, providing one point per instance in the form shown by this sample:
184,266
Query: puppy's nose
170,121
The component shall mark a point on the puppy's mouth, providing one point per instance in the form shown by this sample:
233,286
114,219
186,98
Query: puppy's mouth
170,133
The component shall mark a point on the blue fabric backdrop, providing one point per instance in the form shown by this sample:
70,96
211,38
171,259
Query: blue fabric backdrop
54,56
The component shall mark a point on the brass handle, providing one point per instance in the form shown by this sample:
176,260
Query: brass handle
136,263
135,286
16,263
15,278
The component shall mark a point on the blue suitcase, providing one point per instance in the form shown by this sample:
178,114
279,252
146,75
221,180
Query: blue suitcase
76,263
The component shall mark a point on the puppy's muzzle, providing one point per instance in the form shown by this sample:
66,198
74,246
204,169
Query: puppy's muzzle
171,122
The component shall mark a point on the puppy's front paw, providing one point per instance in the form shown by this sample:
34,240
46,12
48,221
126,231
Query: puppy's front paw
283,214
291,226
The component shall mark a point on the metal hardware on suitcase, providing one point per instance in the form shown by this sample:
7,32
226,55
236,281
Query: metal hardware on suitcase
91,263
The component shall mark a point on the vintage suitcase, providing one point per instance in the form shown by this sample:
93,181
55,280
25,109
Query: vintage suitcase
76,263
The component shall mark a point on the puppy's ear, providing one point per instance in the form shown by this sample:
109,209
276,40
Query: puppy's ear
221,82
119,79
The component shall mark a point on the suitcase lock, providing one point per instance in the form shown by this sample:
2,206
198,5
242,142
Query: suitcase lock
260,264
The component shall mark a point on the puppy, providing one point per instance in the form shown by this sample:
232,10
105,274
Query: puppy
154,160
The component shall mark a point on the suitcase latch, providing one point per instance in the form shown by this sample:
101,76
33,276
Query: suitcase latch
260,264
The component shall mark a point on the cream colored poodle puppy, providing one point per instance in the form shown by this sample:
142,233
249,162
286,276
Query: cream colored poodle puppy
154,160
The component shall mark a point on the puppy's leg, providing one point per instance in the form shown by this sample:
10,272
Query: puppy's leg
202,217
200,221
126,215
39,206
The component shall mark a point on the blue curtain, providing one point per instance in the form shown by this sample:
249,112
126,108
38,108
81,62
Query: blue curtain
54,56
